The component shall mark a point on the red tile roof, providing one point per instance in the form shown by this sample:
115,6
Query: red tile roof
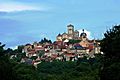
70,54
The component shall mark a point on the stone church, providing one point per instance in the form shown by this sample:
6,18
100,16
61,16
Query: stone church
71,34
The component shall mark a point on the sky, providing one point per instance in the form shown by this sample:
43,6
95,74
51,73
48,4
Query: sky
26,21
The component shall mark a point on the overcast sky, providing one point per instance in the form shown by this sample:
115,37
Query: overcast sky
26,21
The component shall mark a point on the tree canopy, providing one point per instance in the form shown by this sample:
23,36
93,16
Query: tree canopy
45,41
73,41
11,70
110,46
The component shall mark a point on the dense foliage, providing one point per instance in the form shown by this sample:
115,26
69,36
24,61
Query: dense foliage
12,70
73,41
45,41
83,69
110,45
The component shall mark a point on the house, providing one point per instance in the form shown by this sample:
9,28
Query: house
69,56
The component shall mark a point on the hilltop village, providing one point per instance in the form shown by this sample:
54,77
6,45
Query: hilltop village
69,46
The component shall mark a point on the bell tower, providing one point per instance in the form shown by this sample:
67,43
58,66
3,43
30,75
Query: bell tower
70,31
83,36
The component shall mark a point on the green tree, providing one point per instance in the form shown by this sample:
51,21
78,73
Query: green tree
41,53
58,70
33,57
45,40
12,70
6,66
26,72
73,41
20,48
2,51
9,51
110,45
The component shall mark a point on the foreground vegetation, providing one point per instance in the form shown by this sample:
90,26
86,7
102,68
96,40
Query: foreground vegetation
110,45
81,70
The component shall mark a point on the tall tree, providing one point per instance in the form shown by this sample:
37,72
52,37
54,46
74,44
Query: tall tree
6,66
110,45
2,49
20,48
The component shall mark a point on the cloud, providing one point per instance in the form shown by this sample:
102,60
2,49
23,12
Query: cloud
87,32
12,7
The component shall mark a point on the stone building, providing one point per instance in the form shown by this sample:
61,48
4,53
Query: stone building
71,34
59,37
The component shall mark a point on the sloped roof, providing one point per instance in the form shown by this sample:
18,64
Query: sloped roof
83,33
70,25
59,34
78,46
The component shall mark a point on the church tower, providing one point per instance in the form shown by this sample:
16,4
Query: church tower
76,34
70,31
83,36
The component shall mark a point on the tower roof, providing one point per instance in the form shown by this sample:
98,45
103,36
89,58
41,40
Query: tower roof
83,33
70,25
59,34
